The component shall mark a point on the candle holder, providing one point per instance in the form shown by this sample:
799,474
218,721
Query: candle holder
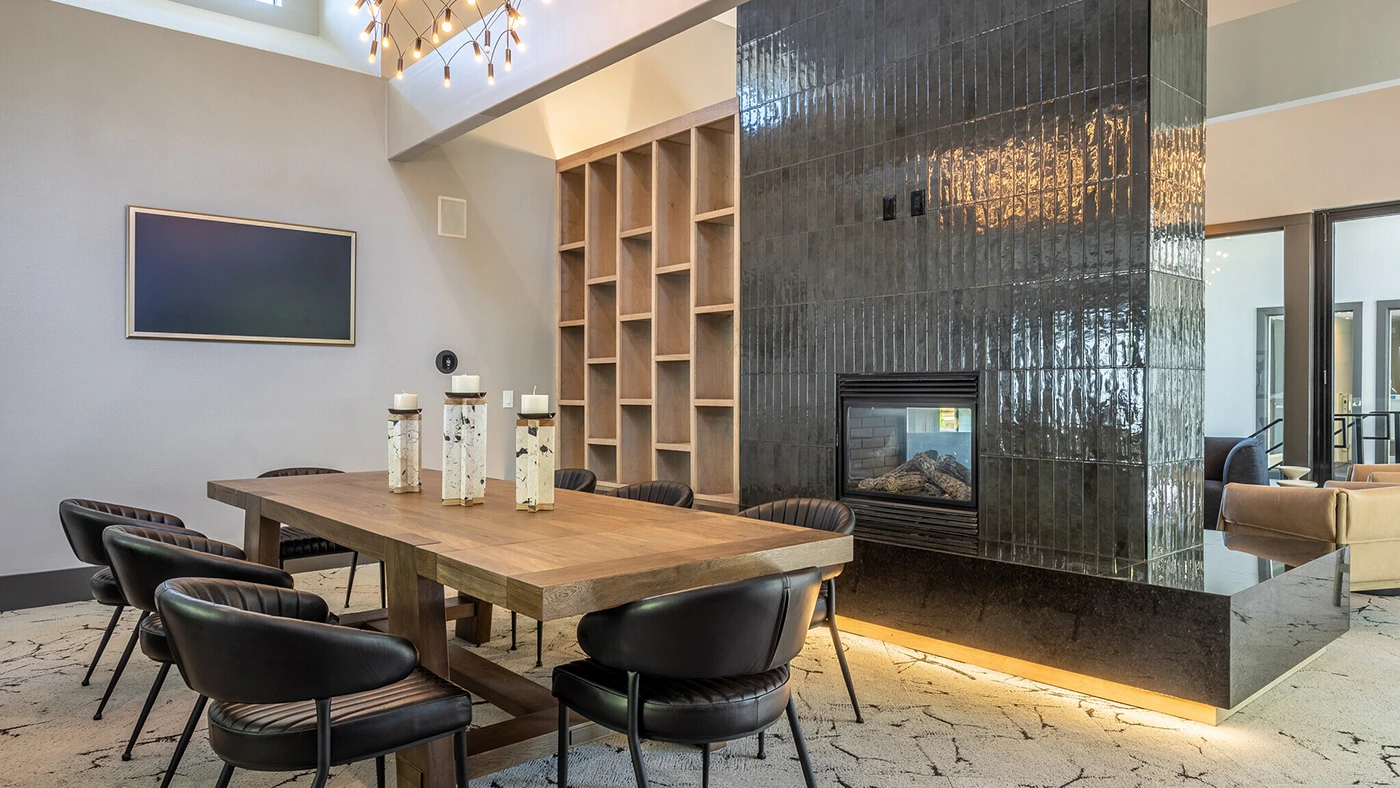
534,462
405,450
464,449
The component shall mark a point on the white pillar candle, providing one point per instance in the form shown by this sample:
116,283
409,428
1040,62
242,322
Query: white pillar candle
466,384
405,401
534,404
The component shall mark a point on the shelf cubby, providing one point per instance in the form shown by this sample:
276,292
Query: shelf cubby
634,360
571,206
570,438
635,184
673,403
602,321
572,363
714,451
634,276
714,356
634,448
672,315
572,298
673,466
602,460
671,225
601,240
714,166
602,401
714,264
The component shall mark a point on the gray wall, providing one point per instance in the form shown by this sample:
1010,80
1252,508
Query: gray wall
1061,144
108,113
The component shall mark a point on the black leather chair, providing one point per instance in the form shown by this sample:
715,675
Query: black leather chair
1232,461
296,543
663,492
577,479
697,667
291,694
823,515
83,522
142,559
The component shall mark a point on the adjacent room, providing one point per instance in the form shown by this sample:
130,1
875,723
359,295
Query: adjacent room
434,393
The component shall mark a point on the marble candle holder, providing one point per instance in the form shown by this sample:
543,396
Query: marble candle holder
534,462
405,450
464,449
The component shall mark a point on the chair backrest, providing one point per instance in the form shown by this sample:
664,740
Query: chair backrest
1362,472
84,520
579,479
1237,460
143,558
665,493
734,629
818,513
232,645
1319,513
280,472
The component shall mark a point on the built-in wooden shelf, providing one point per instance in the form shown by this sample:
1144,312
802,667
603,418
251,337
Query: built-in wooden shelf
648,306
721,216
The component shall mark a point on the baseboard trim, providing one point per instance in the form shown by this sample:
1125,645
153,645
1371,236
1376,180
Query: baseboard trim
39,589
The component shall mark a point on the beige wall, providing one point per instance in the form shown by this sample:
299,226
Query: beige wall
1323,155
106,113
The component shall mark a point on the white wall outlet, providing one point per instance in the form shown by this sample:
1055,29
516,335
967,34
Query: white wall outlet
507,399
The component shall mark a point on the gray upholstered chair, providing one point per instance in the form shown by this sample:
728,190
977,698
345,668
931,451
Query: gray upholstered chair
1232,461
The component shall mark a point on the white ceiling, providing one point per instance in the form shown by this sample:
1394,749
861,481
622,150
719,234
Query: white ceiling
1222,11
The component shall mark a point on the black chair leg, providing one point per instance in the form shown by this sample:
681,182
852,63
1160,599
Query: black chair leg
704,766
539,644
146,709
840,651
512,630
323,743
634,722
459,746
379,771
350,586
121,666
102,644
383,586
762,752
563,748
184,741
224,776
801,745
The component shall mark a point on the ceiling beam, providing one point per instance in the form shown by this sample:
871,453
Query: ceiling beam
566,41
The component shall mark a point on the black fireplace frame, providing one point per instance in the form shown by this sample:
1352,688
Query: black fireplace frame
901,519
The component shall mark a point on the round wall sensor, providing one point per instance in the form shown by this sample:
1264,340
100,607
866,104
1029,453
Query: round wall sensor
447,362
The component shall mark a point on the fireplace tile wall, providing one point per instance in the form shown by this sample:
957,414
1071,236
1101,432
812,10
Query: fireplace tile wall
1061,144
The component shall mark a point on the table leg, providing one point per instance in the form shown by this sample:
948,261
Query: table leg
475,629
261,536
417,612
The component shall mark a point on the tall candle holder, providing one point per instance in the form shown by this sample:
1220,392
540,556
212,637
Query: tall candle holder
464,449
534,462
405,450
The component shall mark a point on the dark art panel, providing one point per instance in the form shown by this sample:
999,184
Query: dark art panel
205,276
1061,145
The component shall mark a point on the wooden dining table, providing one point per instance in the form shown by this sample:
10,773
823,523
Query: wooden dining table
592,552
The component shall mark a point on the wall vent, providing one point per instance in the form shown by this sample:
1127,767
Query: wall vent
452,217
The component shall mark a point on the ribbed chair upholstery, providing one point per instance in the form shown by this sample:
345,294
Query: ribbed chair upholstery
576,479
697,667
292,694
142,559
666,493
83,521
822,515
296,543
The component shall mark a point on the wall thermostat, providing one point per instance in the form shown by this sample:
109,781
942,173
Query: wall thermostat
447,362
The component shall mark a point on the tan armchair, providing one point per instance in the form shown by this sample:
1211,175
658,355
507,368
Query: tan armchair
1367,519
1374,473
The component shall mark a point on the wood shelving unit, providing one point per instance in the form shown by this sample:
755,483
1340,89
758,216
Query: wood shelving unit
648,278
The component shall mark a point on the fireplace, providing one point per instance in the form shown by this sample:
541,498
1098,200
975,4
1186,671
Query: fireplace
907,457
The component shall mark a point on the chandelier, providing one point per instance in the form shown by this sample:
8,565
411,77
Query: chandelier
390,26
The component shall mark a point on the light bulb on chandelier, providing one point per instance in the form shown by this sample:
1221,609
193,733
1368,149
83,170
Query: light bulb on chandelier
500,21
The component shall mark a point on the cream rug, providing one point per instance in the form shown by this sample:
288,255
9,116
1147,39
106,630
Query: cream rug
929,721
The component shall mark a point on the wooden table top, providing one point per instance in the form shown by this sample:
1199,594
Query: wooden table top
592,552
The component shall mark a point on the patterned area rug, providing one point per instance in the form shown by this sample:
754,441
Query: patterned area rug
929,721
